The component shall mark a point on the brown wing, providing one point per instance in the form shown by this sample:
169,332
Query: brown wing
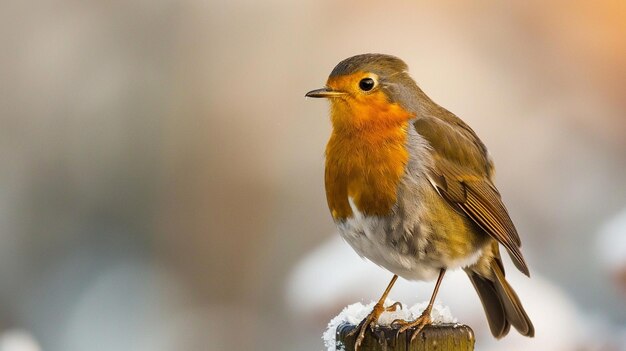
462,175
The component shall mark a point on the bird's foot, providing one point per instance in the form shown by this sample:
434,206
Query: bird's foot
371,320
422,321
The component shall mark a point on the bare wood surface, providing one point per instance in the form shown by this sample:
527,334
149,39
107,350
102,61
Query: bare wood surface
443,337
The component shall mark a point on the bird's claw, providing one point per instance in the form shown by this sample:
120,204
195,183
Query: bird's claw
370,321
393,307
419,323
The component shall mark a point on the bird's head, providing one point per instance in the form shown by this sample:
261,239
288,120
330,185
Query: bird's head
369,90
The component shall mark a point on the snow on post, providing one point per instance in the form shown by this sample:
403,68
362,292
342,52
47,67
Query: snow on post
443,335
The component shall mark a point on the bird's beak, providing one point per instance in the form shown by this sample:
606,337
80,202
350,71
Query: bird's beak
324,93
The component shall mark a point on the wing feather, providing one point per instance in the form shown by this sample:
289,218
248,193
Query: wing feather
461,174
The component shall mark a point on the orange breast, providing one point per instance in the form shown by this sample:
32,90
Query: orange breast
366,156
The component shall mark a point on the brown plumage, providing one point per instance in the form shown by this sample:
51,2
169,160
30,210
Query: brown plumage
410,187
463,175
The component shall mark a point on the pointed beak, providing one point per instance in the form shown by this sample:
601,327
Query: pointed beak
324,93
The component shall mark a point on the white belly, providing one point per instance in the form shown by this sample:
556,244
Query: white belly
367,237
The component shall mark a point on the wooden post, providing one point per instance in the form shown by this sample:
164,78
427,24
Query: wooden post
442,337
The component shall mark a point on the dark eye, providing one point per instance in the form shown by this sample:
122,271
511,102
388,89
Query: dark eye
367,84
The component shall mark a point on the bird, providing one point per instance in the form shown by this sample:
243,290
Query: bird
410,187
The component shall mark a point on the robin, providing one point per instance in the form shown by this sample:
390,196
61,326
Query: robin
410,187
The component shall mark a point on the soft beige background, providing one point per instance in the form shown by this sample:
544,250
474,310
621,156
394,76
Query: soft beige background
162,172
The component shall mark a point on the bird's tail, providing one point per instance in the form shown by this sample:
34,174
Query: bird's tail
502,306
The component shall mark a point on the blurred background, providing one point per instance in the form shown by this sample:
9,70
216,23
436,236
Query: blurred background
161,178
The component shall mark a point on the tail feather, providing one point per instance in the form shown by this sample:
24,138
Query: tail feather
502,306
496,315
515,313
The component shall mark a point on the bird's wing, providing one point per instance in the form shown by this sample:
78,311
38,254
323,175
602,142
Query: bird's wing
461,174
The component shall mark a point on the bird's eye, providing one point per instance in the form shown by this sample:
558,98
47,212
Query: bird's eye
367,84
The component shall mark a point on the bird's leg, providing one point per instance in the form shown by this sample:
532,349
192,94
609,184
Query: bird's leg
424,319
372,318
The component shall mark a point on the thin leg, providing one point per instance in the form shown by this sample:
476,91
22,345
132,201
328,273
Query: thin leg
372,318
424,319
387,290
429,308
